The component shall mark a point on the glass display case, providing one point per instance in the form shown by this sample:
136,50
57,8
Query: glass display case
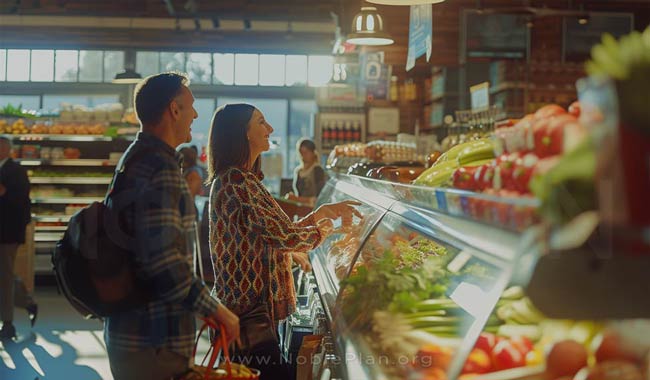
407,289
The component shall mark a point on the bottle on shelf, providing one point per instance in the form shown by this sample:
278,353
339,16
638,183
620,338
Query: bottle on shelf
356,131
348,135
326,133
338,132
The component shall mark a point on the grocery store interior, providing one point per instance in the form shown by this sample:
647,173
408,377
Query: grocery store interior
498,150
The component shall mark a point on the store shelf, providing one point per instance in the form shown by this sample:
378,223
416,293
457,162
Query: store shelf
45,237
69,200
60,218
77,138
50,228
505,86
67,162
71,180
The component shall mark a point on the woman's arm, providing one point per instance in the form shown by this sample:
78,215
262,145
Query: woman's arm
250,206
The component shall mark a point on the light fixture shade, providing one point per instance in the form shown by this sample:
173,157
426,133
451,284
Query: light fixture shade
128,76
368,29
404,2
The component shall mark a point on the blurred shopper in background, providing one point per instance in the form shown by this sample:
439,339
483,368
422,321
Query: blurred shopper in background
193,173
309,177
15,215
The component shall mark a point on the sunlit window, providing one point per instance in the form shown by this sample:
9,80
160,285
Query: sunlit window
224,68
272,70
90,65
18,65
201,125
199,67
113,64
172,61
66,65
3,64
296,70
246,69
26,102
320,70
42,66
147,63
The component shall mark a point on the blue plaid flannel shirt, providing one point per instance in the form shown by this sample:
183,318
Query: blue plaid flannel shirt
160,214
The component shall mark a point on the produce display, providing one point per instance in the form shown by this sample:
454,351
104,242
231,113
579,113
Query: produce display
410,318
19,127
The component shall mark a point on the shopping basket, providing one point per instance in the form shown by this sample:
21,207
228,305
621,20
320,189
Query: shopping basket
227,370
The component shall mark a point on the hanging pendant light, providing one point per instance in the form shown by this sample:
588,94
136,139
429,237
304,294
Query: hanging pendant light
128,76
368,29
404,2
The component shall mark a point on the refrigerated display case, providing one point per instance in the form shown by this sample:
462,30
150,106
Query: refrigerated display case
408,289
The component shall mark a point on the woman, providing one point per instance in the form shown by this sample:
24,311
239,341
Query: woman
192,172
252,241
309,177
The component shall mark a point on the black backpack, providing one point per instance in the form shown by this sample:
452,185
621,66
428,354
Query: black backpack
94,271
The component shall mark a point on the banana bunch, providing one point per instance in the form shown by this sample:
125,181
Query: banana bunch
619,59
239,371
461,155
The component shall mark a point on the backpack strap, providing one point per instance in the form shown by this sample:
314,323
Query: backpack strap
122,166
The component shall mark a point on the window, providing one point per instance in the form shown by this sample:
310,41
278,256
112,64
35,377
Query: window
246,69
320,70
53,102
296,70
42,66
90,65
113,64
199,67
3,64
66,65
224,68
201,125
272,70
301,125
18,65
27,102
147,63
172,61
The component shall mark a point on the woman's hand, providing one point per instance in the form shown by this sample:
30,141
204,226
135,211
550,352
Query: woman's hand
301,259
345,210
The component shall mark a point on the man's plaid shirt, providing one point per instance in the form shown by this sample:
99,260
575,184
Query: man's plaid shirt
158,212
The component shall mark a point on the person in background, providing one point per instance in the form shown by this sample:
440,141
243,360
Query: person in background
15,215
252,241
193,173
309,177
155,341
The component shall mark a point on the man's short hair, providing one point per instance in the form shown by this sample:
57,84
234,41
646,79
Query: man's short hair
153,94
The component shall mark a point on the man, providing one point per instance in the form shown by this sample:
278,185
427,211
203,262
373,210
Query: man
14,217
156,341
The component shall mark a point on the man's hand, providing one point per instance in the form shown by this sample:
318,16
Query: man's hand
3,190
230,322
301,259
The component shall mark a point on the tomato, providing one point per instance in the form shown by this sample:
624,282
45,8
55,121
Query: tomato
463,178
574,109
478,361
566,358
486,342
522,344
610,348
549,111
506,356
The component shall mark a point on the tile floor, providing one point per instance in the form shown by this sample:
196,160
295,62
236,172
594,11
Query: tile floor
62,345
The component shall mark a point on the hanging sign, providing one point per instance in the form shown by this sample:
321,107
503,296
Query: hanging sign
420,32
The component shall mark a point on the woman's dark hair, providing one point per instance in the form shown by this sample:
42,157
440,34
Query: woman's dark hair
154,93
227,142
307,143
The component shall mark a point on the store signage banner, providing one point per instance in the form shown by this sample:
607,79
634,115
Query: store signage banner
420,33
